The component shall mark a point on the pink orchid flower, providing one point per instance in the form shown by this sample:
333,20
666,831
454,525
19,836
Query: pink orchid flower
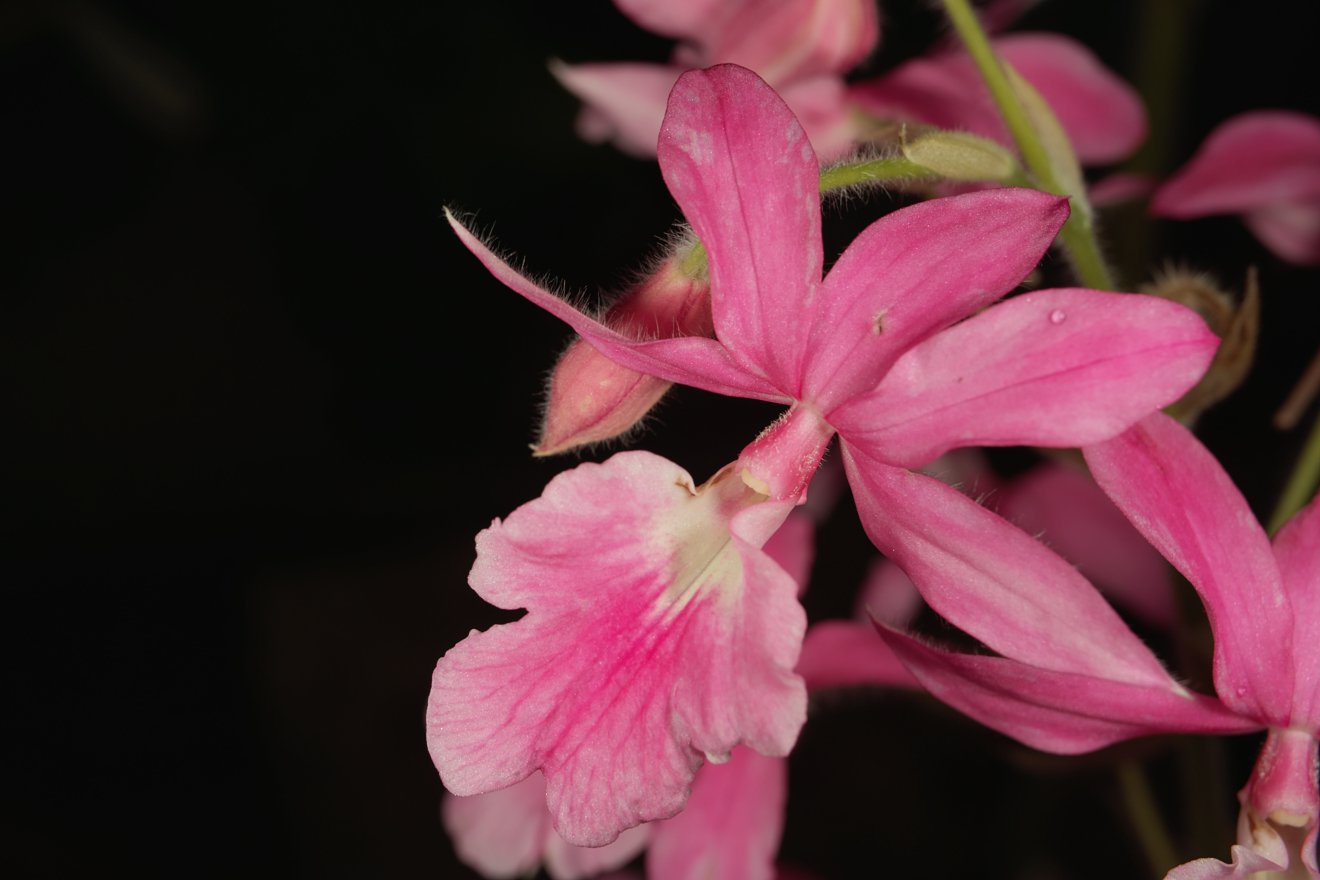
802,47
658,632
1073,678
1102,115
730,829
1264,165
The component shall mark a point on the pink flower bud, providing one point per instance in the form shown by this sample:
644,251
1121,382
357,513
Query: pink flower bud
591,398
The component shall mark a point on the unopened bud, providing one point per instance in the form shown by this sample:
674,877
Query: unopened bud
959,155
1237,324
591,398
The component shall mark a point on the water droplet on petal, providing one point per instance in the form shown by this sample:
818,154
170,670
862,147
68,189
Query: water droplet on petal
1057,316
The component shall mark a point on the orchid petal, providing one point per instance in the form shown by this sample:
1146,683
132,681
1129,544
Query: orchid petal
656,631
731,825
1056,711
1183,502
1256,159
1077,520
993,580
888,594
699,362
842,653
564,861
625,102
676,18
501,833
1246,863
1049,368
787,41
742,170
1297,549
914,272
1290,231
793,547
1102,115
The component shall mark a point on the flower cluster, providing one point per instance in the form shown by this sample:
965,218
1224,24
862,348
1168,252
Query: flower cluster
661,672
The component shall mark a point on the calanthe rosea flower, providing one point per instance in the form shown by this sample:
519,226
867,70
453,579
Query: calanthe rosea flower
658,633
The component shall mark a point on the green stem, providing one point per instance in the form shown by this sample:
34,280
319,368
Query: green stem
870,171
1302,483
1078,234
1156,841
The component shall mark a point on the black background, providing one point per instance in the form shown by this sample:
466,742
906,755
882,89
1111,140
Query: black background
258,400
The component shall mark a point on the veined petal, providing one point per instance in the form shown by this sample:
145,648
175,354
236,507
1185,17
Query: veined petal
915,272
731,825
625,102
1256,159
742,170
1178,496
995,581
656,632
699,362
1297,549
1062,712
1049,368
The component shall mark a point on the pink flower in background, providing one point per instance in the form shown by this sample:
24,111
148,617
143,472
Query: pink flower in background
1073,678
802,47
658,633
730,829
1264,165
1102,114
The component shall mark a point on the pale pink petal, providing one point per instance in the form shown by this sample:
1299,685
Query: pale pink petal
564,861
1055,711
1049,368
1247,863
731,825
1067,510
841,653
789,40
1179,497
1256,159
993,580
888,594
1297,549
793,547
1102,115
914,272
696,361
1290,231
821,105
678,18
747,180
501,833
656,632
624,102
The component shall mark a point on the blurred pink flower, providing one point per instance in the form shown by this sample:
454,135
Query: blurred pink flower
1264,165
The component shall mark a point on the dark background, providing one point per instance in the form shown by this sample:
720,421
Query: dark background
258,400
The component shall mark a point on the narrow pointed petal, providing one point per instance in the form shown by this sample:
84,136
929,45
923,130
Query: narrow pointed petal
993,580
1290,231
914,272
842,653
675,18
699,362
501,833
1062,712
1049,368
625,102
742,170
656,632
1178,496
1256,159
1077,520
1297,549
731,826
